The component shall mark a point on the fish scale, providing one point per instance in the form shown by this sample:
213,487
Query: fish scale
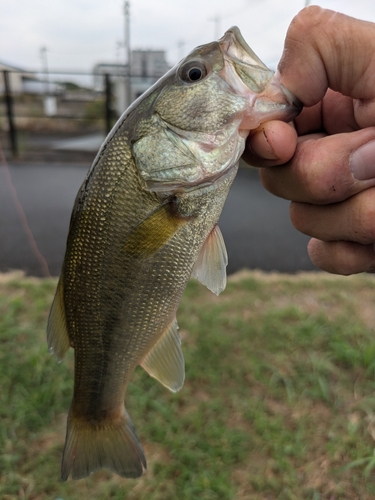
144,221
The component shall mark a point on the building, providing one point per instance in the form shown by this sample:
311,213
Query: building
147,66
18,78
26,82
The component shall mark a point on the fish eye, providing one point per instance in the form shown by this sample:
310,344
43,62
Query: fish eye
193,71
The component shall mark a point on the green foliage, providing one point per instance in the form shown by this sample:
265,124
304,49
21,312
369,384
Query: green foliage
278,401
72,86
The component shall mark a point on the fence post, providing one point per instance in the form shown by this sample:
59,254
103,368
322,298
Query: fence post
10,114
108,109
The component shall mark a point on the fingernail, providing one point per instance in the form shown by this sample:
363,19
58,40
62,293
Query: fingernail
362,162
261,147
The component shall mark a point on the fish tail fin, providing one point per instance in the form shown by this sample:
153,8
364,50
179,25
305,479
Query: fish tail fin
91,445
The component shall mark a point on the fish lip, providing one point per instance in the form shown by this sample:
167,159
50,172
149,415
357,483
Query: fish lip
283,104
276,102
232,34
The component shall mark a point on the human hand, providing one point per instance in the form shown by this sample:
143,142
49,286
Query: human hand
328,160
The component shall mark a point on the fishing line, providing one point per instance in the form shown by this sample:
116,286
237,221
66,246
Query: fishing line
22,216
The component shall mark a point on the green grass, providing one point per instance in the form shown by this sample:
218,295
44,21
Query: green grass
278,403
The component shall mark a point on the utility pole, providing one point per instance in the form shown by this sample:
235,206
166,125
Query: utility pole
216,20
118,48
181,49
49,100
43,56
127,52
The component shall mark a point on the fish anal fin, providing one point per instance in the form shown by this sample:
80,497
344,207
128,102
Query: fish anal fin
151,234
91,445
165,361
210,266
57,333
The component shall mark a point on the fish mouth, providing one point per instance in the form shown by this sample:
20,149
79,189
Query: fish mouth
248,76
252,72
234,44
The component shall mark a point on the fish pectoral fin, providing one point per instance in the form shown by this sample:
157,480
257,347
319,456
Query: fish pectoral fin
165,361
210,266
57,332
154,232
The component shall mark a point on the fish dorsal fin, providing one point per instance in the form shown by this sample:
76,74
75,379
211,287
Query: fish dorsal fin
57,333
210,266
165,361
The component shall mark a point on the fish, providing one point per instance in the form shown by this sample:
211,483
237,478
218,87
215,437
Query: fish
144,221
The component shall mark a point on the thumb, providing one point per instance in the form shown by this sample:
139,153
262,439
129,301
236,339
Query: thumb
328,49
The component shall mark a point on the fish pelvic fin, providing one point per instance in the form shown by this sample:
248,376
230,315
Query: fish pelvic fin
57,333
165,361
91,445
210,266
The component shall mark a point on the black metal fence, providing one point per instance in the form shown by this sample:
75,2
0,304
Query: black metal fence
34,106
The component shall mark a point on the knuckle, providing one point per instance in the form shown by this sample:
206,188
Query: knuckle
361,217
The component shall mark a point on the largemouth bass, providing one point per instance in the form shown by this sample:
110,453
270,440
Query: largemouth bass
144,221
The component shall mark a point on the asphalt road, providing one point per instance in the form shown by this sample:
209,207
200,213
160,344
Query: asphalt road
255,224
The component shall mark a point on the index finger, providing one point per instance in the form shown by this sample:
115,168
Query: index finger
273,143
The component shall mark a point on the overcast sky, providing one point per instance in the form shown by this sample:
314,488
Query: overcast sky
80,33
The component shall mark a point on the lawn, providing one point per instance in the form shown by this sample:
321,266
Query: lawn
278,403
